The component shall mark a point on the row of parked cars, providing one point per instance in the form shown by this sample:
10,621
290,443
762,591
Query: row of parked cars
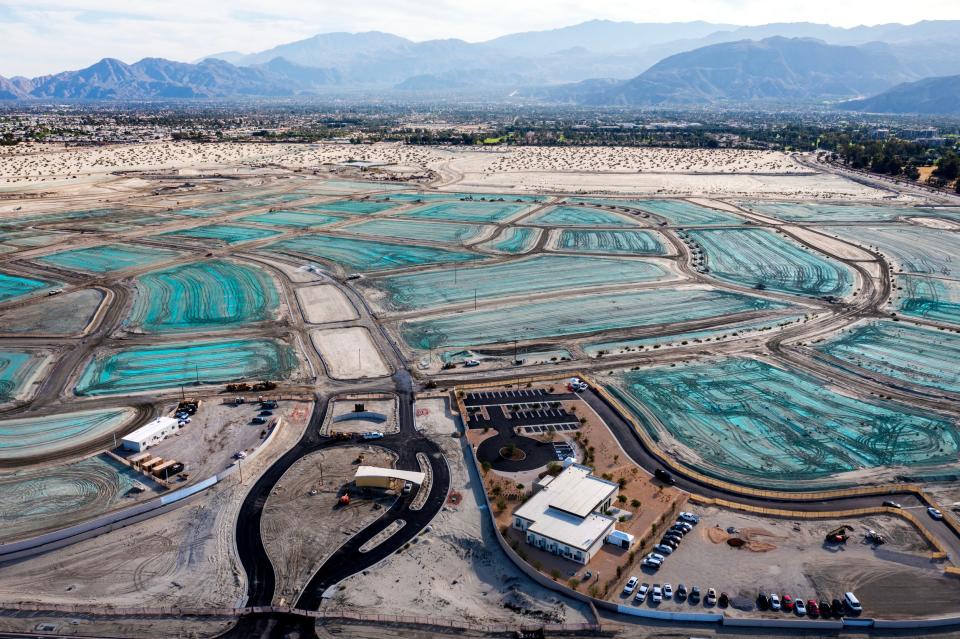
850,605
660,593
670,541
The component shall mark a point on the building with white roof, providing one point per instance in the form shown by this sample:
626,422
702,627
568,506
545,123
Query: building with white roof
151,433
565,516
386,478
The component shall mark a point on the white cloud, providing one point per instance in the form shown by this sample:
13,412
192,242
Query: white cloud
53,35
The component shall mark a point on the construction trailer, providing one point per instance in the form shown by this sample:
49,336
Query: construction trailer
150,434
385,478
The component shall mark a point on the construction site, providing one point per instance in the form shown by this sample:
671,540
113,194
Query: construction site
270,392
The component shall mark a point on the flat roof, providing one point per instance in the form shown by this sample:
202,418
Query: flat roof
392,473
577,532
150,429
556,509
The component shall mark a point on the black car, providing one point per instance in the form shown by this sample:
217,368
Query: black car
825,609
724,600
669,541
681,593
680,530
837,608
762,602
664,476
695,594
674,536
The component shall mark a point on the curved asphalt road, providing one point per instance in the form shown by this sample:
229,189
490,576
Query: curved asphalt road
347,560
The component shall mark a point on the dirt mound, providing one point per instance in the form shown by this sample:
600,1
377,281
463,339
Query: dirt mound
717,535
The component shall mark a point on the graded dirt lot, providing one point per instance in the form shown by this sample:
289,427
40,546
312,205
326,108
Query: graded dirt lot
184,557
303,523
349,353
791,557
383,404
325,303
455,570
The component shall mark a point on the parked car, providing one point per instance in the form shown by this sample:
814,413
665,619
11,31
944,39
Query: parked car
813,609
674,536
690,518
892,504
763,603
667,591
642,592
682,525
630,586
787,603
774,601
852,603
656,556
825,610
724,600
800,608
836,607
711,598
470,363
935,513
670,541
694,594
374,434
650,562
663,548
657,595
681,593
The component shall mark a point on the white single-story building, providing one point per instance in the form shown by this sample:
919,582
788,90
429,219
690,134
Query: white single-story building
565,516
150,434
386,478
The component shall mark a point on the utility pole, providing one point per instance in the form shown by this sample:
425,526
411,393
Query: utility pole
474,299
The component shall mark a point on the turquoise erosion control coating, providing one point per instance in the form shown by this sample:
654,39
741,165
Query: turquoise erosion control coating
353,207
676,212
913,249
513,240
150,367
926,357
210,210
579,315
34,436
369,255
625,242
542,273
749,418
225,233
470,211
296,219
108,258
934,299
761,259
16,367
413,230
209,295
823,212
13,286
580,216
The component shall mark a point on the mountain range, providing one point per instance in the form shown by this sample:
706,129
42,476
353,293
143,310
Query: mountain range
594,63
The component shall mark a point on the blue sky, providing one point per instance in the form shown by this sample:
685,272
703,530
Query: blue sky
45,36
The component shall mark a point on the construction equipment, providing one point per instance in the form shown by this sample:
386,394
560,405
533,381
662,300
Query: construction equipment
839,535
238,387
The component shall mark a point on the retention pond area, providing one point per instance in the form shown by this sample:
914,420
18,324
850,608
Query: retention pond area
107,258
33,437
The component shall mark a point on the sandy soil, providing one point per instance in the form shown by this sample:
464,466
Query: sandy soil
384,404
300,529
120,627
325,303
53,165
830,245
455,570
184,557
791,557
207,444
935,223
349,353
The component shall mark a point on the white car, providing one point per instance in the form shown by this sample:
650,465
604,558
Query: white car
667,591
936,514
774,601
375,434
642,593
689,518
631,584
470,363
663,548
650,562
800,608
656,556
657,595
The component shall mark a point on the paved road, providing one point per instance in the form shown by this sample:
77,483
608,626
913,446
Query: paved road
347,560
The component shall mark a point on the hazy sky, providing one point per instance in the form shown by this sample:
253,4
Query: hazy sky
44,36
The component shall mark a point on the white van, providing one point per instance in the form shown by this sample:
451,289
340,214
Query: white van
852,602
